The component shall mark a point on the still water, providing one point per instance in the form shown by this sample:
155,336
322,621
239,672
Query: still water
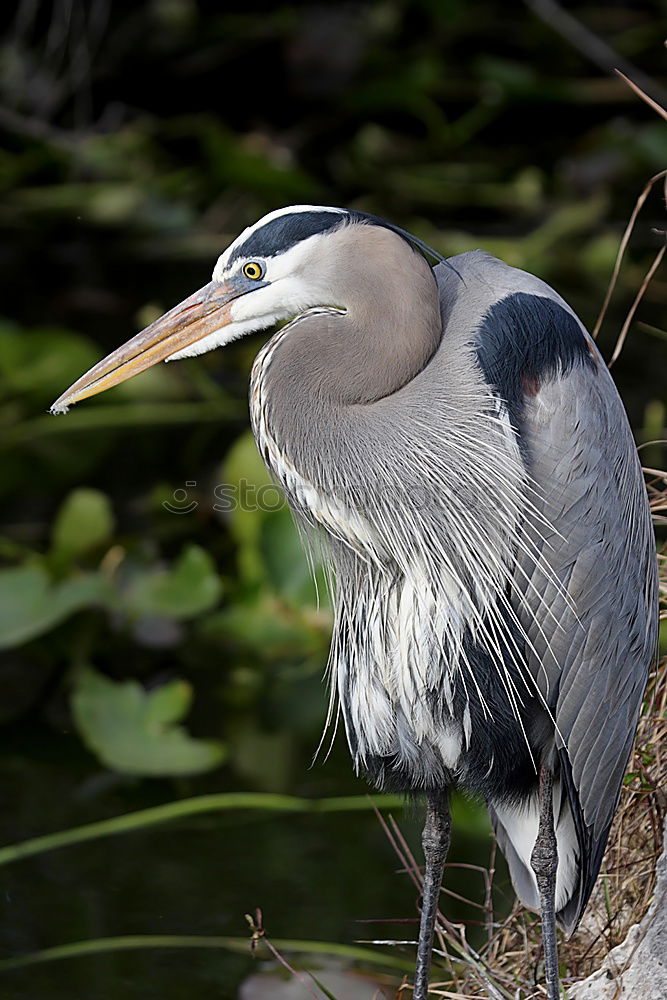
314,876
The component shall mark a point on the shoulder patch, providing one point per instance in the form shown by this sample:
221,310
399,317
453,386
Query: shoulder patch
525,340
286,231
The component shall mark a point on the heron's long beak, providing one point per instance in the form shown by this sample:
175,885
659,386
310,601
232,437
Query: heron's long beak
204,312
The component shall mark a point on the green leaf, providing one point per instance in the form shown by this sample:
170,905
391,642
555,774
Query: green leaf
37,363
31,605
133,730
100,946
198,805
285,560
263,628
244,477
84,522
189,587
169,703
269,547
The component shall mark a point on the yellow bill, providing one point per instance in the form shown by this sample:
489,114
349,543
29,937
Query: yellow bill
201,314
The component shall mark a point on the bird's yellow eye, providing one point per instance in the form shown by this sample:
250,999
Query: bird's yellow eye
253,270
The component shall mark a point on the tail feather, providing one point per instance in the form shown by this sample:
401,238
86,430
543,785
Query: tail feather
580,848
516,828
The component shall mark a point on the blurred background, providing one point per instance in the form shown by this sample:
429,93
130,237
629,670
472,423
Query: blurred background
156,644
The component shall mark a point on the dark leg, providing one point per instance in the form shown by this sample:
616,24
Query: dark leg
435,841
544,861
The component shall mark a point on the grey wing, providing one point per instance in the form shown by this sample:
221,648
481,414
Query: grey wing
588,603
592,616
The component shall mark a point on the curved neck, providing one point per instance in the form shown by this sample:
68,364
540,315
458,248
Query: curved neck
322,364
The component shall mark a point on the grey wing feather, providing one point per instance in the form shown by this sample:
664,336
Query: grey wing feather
601,627
597,634
591,616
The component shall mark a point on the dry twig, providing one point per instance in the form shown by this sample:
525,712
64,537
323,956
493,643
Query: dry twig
623,246
641,93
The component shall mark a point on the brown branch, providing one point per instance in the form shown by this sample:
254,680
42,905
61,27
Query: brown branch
623,247
641,93
633,308
589,44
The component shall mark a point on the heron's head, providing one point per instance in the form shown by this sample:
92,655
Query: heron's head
292,260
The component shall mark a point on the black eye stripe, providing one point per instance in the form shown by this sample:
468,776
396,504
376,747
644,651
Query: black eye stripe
285,232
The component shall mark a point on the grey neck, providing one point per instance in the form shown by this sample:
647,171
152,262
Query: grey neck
311,376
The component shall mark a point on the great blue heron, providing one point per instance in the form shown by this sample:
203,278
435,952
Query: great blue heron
451,433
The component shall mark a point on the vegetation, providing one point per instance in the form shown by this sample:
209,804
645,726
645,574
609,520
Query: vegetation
162,639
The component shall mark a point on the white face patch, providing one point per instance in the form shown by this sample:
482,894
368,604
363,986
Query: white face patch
219,338
294,281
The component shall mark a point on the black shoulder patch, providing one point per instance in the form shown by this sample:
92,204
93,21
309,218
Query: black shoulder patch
525,340
286,231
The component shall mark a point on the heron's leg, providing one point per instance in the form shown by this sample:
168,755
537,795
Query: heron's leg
435,841
544,862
